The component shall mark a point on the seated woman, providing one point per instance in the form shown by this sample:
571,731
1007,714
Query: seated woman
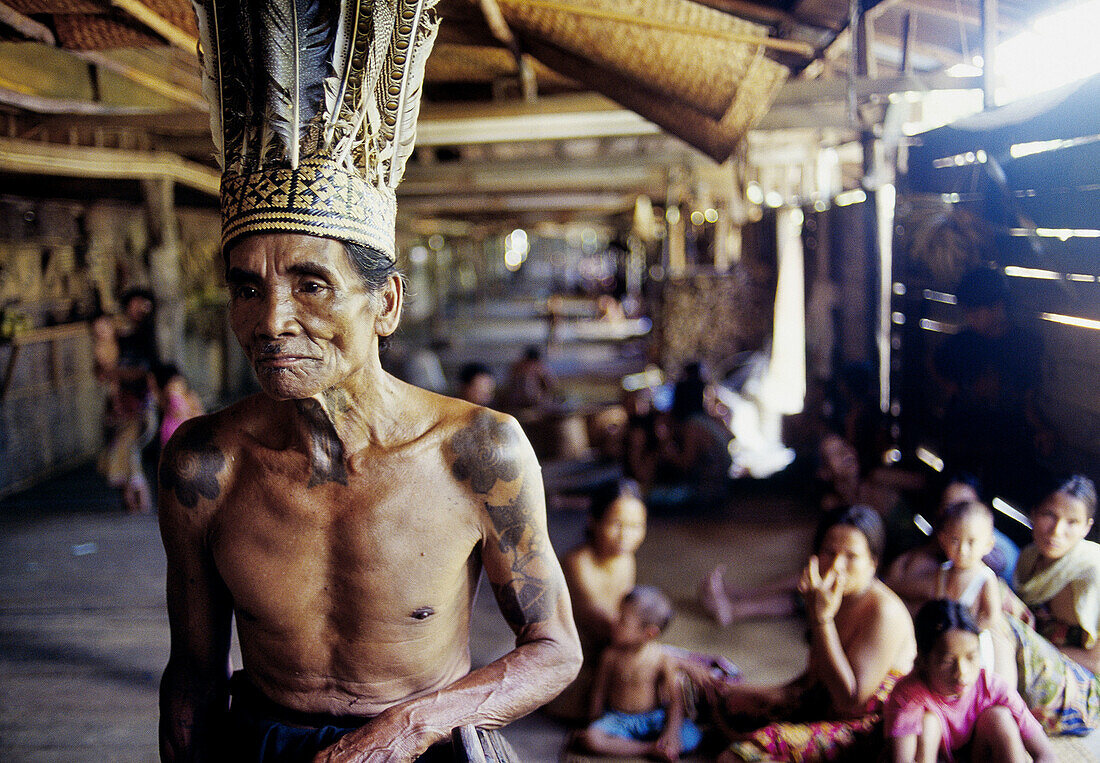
1058,577
844,486
599,573
861,643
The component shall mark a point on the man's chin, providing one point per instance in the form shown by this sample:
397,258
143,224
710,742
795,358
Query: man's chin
285,387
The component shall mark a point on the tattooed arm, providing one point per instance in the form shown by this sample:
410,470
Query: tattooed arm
493,460
194,688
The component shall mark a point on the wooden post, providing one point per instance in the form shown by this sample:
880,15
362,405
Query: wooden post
989,53
164,267
907,43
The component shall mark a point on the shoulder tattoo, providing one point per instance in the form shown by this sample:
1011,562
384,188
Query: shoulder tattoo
191,467
485,453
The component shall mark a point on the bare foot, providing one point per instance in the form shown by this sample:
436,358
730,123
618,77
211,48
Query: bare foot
713,597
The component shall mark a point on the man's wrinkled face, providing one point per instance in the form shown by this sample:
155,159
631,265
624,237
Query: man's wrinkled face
304,318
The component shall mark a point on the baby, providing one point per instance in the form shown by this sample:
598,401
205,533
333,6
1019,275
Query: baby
637,695
951,708
965,533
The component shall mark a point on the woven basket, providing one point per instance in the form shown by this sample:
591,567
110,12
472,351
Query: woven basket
85,25
701,69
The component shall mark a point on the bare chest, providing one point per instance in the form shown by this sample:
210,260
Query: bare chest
382,544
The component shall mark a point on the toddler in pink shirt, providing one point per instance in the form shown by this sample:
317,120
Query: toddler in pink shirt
950,708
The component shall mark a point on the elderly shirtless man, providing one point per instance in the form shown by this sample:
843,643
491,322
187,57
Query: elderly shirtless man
343,517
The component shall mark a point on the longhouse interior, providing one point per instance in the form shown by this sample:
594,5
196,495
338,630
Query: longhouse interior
787,196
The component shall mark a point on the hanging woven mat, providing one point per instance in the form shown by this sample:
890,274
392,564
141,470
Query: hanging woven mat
674,46
78,32
715,138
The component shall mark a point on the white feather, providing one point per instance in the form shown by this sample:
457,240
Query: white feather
210,57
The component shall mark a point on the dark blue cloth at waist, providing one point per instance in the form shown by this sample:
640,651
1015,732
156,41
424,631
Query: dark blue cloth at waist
261,731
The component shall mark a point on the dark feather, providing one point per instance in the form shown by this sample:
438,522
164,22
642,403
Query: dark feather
295,44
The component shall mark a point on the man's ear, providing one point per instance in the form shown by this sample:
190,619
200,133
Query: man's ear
392,297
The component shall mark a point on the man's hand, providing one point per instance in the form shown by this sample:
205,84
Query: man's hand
386,739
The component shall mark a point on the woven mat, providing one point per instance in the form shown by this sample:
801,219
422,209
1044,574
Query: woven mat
576,757
701,70
1075,749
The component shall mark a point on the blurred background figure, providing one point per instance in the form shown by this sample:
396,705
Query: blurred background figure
693,472
178,402
476,384
530,383
989,375
125,351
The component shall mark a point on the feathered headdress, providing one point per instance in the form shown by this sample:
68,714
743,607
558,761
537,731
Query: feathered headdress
313,107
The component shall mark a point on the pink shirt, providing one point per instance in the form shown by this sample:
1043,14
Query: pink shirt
911,699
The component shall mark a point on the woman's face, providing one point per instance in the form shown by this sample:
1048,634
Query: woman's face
622,528
953,665
1059,524
845,550
838,459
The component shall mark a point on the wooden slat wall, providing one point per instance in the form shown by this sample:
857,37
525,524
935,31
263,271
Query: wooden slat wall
1053,189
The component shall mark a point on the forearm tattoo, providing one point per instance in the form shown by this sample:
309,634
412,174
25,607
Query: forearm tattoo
485,453
326,452
192,466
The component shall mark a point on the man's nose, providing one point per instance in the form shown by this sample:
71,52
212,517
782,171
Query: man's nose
278,316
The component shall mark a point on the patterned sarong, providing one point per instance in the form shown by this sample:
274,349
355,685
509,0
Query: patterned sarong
1061,694
819,740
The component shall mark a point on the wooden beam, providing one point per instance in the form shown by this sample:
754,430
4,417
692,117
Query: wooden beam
51,159
948,10
150,19
989,52
40,105
500,29
549,118
159,86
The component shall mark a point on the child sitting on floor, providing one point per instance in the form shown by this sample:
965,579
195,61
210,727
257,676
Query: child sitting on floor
601,570
599,573
950,708
965,533
637,697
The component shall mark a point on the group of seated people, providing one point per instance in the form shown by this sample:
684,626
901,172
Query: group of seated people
942,659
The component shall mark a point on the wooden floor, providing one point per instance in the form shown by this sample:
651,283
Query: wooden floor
84,636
